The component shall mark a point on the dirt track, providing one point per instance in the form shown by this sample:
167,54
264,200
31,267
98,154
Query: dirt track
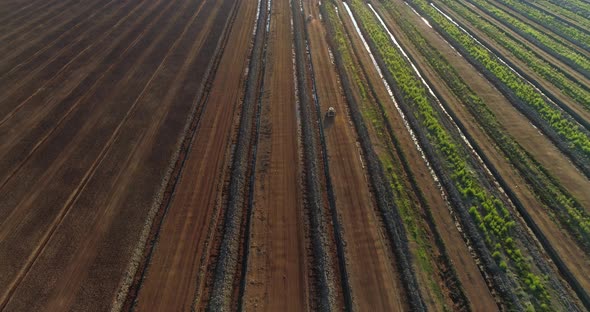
370,263
194,210
278,270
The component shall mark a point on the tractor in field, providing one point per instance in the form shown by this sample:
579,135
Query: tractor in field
331,112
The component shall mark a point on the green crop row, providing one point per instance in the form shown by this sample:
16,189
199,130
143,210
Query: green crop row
560,10
557,120
562,204
372,116
549,21
524,29
496,224
580,7
525,54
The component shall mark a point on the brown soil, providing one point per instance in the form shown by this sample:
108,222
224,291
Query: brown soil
35,58
370,261
174,279
66,88
117,124
96,174
36,19
277,273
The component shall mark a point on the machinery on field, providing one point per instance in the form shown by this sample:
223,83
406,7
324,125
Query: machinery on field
331,112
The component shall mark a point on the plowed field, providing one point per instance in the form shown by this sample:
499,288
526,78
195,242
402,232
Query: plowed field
287,155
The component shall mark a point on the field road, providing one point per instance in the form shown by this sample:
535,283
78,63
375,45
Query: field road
370,262
174,276
277,272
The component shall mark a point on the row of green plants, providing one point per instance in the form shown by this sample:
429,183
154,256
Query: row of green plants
393,169
560,10
553,74
549,21
553,46
580,7
493,219
574,135
562,204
